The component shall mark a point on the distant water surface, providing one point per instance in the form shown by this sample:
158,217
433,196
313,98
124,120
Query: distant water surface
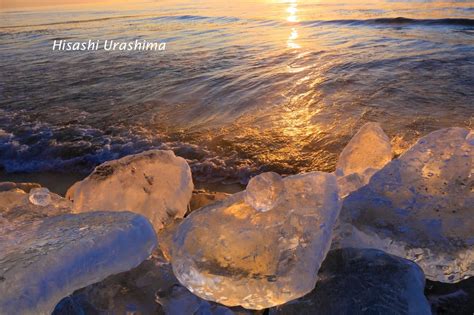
243,87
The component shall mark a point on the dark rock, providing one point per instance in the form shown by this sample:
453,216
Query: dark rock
451,298
363,281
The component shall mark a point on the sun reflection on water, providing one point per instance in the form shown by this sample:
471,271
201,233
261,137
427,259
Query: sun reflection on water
291,40
293,18
292,11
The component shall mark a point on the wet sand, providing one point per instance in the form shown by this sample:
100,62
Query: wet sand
55,182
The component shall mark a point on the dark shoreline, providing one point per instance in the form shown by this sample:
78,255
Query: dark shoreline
55,182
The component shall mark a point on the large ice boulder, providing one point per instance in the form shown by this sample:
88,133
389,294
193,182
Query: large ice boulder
363,281
156,184
367,152
257,249
49,258
420,206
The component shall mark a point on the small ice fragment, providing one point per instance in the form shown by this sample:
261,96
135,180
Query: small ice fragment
264,191
40,197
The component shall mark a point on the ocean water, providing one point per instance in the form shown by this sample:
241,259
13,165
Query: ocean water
243,86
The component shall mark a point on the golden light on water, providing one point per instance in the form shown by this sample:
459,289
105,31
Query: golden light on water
292,11
291,40
293,18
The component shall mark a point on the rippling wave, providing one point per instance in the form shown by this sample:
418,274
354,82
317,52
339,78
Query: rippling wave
382,21
103,19
401,21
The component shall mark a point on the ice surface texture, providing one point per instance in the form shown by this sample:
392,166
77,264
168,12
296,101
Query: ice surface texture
16,205
40,197
52,257
420,206
370,148
363,281
151,288
39,200
367,152
156,184
264,192
233,254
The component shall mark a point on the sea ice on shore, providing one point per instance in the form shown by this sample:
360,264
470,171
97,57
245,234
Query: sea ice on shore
420,206
233,253
156,184
50,258
150,288
363,281
367,152
17,211
16,204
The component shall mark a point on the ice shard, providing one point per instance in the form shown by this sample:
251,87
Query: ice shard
367,152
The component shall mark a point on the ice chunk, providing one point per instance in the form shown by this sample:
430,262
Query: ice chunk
151,288
52,257
370,148
11,199
363,281
16,212
156,184
233,254
367,152
130,292
263,192
420,207
40,197
165,235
